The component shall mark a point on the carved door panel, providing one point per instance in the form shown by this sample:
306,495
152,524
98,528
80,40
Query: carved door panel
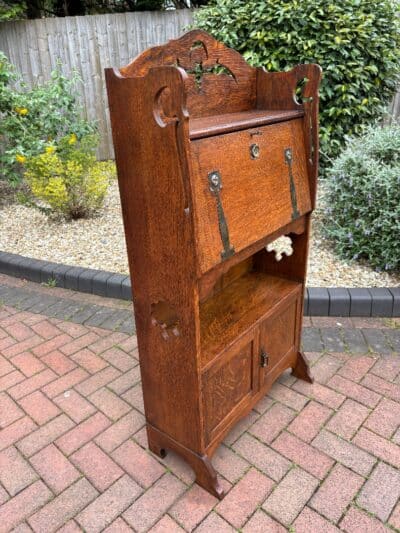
229,384
278,336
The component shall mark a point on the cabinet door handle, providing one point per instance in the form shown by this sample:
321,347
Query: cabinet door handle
264,357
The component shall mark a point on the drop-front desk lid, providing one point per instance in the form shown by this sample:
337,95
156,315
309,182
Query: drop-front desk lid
249,179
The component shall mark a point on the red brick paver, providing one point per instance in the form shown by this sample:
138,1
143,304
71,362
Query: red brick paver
336,492
73,447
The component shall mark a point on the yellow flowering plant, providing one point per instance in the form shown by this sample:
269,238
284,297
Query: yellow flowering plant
30,117
67,179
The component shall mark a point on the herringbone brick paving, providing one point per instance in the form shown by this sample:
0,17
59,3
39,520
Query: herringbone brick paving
308,458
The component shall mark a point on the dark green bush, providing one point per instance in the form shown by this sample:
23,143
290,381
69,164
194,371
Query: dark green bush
356,42
363,197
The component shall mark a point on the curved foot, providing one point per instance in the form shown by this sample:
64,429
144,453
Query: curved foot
301,369
206,476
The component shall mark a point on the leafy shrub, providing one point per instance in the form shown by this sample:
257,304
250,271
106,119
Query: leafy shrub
363,195
356,42
30,118
66,179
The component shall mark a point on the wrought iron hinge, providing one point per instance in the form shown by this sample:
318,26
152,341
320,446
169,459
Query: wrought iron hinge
215,185
288,161
264,358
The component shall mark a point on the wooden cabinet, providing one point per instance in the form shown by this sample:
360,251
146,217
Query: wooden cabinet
215,160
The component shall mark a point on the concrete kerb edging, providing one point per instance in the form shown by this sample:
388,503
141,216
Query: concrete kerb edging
318,301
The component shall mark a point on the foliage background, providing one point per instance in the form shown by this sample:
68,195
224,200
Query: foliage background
31,9
362,217
356,42
32,117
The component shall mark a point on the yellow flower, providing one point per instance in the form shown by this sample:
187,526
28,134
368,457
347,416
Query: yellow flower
50,149
20,158
21,111
72,139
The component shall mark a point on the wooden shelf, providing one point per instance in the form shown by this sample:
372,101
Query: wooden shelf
217,124
232,311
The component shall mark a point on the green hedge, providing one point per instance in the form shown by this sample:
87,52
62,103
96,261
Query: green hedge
356,42
362,217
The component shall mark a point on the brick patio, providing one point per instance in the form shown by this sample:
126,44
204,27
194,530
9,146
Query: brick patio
73,453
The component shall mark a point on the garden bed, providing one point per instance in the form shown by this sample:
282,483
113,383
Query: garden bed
99,243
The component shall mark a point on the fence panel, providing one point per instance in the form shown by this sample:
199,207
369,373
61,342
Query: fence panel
88,44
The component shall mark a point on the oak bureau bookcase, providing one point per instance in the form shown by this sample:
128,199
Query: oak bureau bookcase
215,159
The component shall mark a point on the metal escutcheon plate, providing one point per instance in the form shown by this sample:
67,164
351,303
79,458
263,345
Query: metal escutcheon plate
254,151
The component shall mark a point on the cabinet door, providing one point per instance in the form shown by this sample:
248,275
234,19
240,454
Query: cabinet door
279,337
228,385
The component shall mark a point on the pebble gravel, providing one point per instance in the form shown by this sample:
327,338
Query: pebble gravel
99,243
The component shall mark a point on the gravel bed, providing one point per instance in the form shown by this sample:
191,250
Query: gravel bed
99,243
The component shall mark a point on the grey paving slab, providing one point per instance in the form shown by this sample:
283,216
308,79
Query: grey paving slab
43,304
66,311
311,340
30,302
59,305
393,336
376,340
99,316
114,320
86,312
128,326
355,341
5,291
332,339
17,296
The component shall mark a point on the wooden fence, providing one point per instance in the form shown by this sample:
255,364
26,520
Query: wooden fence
88,44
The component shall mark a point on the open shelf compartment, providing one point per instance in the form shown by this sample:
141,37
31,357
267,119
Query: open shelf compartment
229,314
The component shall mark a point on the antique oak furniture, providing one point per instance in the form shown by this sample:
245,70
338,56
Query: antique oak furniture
216,159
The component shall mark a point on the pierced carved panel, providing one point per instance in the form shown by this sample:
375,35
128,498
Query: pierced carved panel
281,247
217,77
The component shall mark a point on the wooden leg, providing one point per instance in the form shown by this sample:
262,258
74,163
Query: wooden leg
206,475
301,369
